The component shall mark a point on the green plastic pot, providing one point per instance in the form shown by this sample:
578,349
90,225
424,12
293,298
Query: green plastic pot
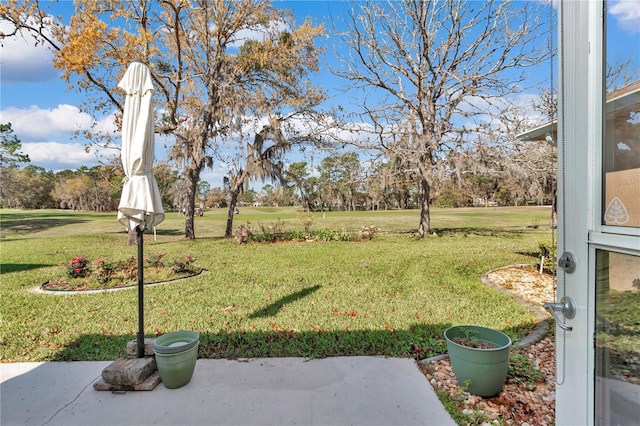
482,371
177,341
176,354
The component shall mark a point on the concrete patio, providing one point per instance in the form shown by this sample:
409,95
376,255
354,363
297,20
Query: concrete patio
269,391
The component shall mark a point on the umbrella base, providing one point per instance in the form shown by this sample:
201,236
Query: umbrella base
149,384
129,374
132,347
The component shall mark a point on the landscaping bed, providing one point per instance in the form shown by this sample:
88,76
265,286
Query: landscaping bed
528,396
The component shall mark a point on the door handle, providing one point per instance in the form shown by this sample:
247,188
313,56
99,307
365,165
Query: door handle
568,309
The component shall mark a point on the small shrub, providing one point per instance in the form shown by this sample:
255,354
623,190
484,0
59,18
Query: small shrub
261,238
104,270
471,340
368,232
242,234
551,252
128,268
270,233
295,235
521,370
445,203
78,267
344,236
307,220
155,260
184,264
324,234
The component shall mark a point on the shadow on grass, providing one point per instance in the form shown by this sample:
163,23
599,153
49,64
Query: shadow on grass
274,308
5,268
24,226
483,232
148,234
532,254
419,341
179,233
16,214
167,232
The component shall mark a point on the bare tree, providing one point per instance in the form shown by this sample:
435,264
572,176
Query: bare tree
432,70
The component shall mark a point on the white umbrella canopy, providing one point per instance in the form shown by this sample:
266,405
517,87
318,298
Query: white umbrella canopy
140,204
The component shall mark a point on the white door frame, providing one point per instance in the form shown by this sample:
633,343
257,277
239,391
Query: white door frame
580,230
579,136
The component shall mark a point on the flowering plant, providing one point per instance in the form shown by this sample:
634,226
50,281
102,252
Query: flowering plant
155,260
183,265
78,267
104,270
82,273
368,232
242,234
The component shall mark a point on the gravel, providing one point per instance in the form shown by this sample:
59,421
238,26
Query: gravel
519,403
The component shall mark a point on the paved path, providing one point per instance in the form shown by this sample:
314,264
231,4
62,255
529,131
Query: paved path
267,391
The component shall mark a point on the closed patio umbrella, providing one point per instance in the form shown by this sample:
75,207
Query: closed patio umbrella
140,206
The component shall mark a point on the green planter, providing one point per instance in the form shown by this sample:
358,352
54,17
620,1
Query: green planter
176,354
482,371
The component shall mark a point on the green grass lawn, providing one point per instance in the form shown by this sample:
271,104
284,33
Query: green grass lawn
392,296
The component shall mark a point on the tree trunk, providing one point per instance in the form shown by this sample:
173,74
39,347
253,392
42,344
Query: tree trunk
425,218
307,202
228,233
554,209
189,228
402,202
192,183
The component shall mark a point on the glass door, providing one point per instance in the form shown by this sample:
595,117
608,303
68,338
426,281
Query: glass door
617,338
617,270
598,301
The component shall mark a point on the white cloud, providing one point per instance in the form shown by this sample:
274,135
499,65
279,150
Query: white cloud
627,13
106,124
58,156
35,124
519,106
214,176
258,33
22,61
46,136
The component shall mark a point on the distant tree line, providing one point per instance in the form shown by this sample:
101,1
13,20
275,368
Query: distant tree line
485,175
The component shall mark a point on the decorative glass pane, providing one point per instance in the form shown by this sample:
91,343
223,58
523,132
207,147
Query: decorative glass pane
621,151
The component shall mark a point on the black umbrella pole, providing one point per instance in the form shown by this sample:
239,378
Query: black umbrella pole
140,345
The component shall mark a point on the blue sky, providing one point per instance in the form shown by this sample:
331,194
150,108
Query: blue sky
44,113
